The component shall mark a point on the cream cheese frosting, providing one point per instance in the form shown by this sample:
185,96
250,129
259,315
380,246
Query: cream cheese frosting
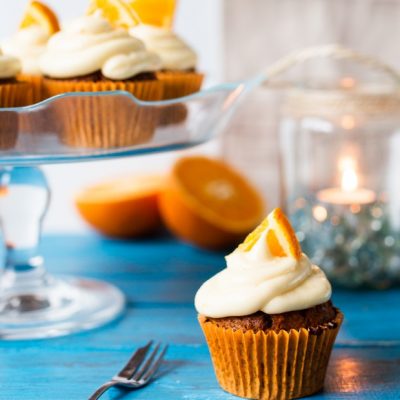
91,44
255,281
175,54
10,66
28,45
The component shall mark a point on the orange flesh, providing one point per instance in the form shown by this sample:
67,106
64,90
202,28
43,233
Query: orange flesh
118,13
155,12
280,237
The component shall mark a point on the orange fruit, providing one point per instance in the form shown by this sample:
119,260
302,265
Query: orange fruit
279,235
38,13
118,13
155,12
209,204
123,208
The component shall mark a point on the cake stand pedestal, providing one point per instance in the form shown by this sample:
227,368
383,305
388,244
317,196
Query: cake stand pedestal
34,303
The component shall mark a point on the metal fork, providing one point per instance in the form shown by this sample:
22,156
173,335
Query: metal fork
138,371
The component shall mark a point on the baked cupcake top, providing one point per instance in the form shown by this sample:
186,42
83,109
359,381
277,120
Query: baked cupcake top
28,45
90,44
266,273
10,66
174,52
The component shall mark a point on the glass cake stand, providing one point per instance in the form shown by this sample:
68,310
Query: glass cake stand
76,127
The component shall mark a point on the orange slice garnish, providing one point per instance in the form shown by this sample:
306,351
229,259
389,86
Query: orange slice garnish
124,207
38,13
280,236
155,12
118,13
209,204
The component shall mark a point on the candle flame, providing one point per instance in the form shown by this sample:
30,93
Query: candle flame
349,180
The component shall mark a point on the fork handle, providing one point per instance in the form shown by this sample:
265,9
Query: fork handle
102,389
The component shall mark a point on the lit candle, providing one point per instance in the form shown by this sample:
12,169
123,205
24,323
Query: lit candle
349,193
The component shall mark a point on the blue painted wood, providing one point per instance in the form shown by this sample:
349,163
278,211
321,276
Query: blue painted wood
160,277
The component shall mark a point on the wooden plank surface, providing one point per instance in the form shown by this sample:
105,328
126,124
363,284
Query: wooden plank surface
160,278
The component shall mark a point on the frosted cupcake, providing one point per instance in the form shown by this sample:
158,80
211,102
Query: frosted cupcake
268,318
178,60
29,43
12,94
90,56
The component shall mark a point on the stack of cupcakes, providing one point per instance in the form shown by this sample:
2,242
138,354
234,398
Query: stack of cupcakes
96,53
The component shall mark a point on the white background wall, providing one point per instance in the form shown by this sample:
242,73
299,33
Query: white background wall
200,23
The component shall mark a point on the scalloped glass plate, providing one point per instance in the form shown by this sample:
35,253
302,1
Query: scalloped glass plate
83,126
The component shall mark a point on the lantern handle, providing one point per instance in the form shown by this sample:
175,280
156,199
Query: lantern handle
331,50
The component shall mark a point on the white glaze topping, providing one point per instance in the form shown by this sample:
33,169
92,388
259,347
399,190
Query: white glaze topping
174,52
28,45
255,281
90,44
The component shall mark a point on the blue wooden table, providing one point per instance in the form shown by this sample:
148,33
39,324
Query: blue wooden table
160,278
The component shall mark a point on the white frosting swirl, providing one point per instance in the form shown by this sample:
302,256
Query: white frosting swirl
255,281
10,66
90,44
28,45
174,52
124,66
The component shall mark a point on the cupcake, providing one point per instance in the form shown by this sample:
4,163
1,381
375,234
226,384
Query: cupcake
12,94
178,60
267,317
91,56
29,43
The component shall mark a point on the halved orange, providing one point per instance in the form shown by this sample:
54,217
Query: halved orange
155,12
280,236
38,13
118,13
209,204
123,208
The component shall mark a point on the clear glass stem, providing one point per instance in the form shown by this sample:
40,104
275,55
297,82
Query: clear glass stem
24,199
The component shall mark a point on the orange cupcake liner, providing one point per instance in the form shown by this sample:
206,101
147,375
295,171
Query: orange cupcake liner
36,83
173,114
11,95
260,365
8,130
179,84
14,94
105,121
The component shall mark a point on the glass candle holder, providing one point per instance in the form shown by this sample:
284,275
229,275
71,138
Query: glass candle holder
340,152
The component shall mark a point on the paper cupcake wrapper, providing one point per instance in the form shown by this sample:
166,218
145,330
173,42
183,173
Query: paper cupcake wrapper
14,94
173,114
36,83
179,84
11,95
8,130
105,122
259,365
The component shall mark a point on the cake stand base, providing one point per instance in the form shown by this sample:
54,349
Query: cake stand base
33,303
58,307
